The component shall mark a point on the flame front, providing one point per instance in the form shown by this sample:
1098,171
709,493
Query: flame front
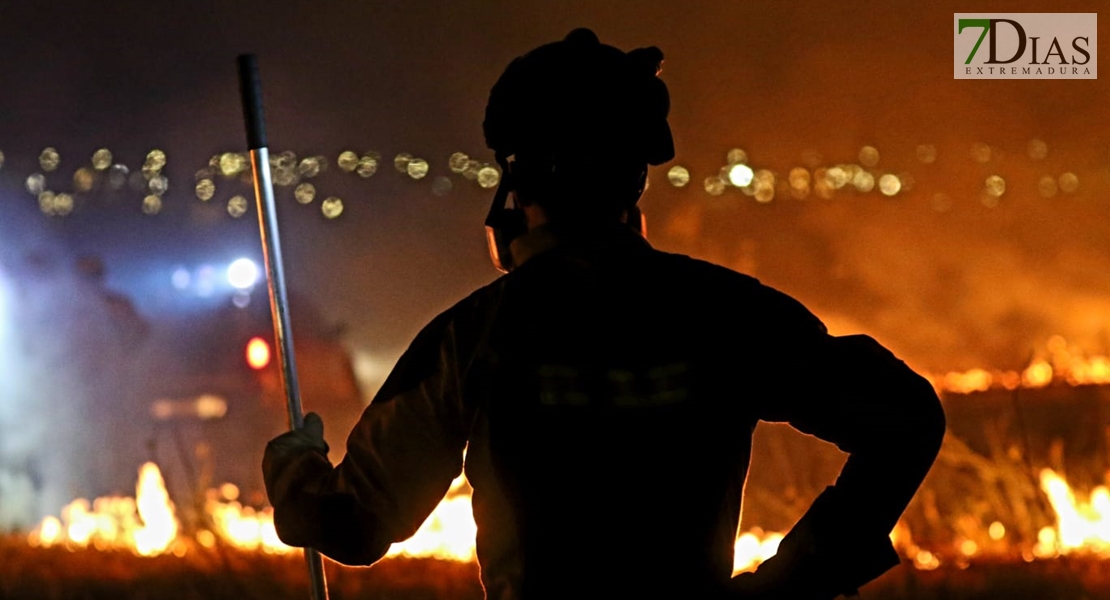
1065,363
147,526
240,526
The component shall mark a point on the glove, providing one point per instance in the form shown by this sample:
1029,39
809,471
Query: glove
310,437
293,461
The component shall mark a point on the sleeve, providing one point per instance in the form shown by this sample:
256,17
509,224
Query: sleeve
854,393
401,457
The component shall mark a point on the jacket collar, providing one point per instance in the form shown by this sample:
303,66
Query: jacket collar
601,239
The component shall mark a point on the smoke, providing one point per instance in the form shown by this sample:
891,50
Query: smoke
63,376
969,286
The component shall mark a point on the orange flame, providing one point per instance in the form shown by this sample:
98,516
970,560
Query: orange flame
145,524
448,533
1063,363
752,548
1080,525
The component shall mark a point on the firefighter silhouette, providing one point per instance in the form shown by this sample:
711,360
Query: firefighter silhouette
606,391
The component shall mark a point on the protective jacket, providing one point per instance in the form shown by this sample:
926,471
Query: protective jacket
606,393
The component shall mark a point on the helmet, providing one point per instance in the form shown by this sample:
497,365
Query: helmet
580,101
580,121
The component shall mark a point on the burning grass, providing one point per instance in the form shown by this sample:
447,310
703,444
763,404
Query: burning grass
1002,514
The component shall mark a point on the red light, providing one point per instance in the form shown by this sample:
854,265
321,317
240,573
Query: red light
258,353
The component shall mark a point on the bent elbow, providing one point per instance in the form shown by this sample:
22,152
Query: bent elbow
926,418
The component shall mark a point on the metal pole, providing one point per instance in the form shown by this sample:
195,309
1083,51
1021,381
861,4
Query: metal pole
250,85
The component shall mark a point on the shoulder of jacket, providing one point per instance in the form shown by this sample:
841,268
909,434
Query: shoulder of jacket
704,268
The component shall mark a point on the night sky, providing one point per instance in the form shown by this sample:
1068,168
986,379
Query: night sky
934,273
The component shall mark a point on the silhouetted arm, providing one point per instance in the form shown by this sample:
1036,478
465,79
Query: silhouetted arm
853,392
401,458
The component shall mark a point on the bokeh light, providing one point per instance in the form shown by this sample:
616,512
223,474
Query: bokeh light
457,162
242,273
312,166
799,178
102,159
158,185
889,184
1068,182
305,193
470,171
740,175
764,194
332,207
232,163
995,186
285,176
63,204
822,187
736,156
678,176
46,202
284,160
762,186
49,159
714,185
205,189
156,159
838,176
36,183
258,353
152,205
864,181
488,177
997,531
367,165
401,162
347,161
868,156
83,179
416,168
237,206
